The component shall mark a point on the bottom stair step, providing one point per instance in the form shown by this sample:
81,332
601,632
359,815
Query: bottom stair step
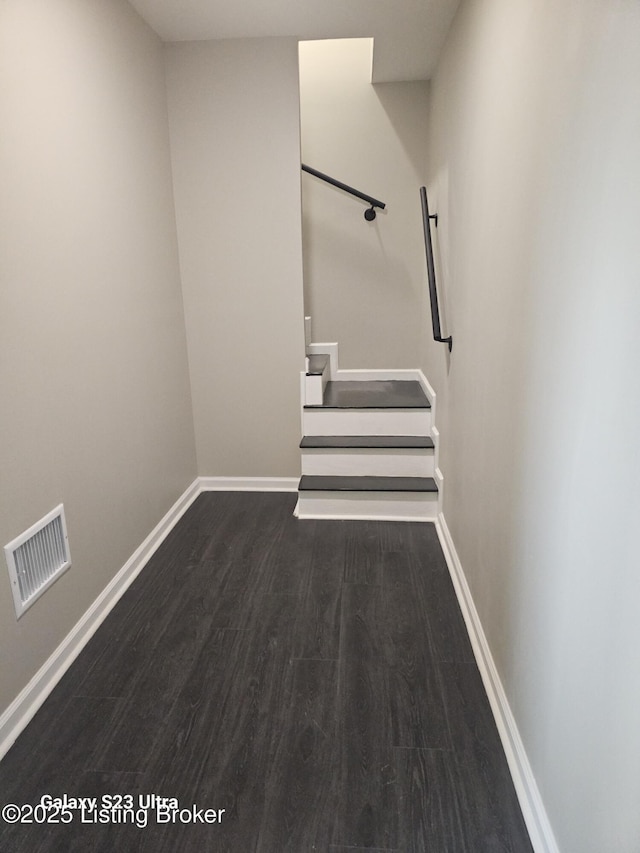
381,498
310,482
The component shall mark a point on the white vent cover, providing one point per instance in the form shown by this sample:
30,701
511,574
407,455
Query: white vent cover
37,558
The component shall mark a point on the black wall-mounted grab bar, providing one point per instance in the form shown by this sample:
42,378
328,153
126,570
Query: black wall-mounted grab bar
433,293
369,214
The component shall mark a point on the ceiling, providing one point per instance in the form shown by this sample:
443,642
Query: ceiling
408,34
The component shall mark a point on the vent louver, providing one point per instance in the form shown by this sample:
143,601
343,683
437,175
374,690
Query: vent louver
37,558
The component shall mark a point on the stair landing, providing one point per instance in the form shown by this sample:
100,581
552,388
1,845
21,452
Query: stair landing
373,394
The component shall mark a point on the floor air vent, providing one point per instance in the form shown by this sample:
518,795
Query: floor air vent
37,558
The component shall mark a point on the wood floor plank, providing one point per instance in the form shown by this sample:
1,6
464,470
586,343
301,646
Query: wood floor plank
317,633
363,614
431,814
418,712
237,550
367,806
300,779
49,758
221,747
396,569
492,817
421,540
384,628
239,750
289,561
191,735
130,636
434,591
445,808
363,559
79,836
333,848
143,719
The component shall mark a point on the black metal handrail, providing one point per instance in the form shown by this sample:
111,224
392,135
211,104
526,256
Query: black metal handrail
369,214
431,270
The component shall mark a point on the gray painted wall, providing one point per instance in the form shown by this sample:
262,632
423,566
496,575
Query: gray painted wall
235,140
96,406
365,282
535,173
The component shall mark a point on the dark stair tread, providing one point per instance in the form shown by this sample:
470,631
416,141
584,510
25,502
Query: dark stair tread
309,482
317,364
367,441
374,394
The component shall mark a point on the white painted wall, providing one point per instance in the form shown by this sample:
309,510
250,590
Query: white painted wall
96,408
365,282
534,170
235,139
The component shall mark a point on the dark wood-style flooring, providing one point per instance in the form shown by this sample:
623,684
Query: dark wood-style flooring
312,678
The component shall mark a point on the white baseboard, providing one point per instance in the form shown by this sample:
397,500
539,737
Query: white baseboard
533,810
24,706
341,517
248,484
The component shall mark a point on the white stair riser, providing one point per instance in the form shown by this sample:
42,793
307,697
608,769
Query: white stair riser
367,421
363,462
313,390
387,506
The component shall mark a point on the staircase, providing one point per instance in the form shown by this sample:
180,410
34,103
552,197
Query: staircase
367,447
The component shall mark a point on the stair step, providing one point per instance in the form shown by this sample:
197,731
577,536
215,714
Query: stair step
316,483
317,364
373,394
382,498
367,455
368,441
